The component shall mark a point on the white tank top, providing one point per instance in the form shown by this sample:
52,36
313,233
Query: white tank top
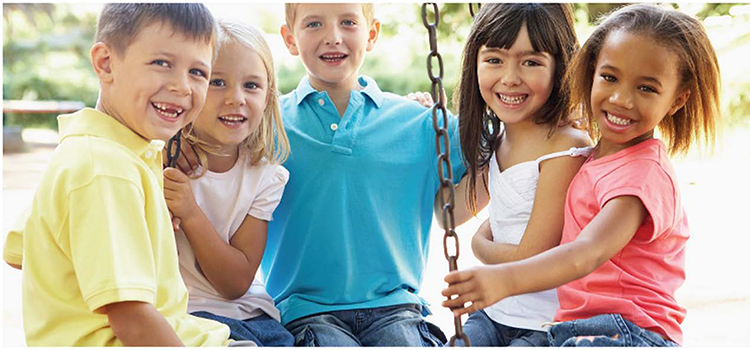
511,200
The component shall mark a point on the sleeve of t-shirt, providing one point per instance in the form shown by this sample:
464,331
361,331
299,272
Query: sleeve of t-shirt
648,181
269,193
109,243
13,248
457,162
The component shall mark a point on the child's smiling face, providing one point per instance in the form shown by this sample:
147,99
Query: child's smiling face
159,83
515,83
237,97
331,40
636,84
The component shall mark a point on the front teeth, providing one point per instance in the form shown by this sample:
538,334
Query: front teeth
168,110
618,121
233,119
512,100
333,57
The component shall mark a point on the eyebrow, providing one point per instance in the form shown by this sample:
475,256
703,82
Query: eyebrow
248,77
519,54
642,77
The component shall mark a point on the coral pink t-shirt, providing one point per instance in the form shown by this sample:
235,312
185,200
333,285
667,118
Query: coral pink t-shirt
639,282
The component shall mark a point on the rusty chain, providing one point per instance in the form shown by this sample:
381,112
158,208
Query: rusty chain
443,157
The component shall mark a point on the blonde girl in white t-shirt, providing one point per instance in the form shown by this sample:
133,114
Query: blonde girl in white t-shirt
224,209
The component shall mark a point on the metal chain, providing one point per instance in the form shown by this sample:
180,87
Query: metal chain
471,8
443,157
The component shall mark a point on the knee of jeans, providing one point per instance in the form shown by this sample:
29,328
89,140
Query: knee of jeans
593,340
306,337
431,334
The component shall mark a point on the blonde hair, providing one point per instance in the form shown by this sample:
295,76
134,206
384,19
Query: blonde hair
269,140
290,13
699,71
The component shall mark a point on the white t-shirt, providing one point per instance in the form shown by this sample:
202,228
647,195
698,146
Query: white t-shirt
226,199
512,195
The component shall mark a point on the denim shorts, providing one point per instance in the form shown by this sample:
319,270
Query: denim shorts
399,325
483,331
604,330
263,330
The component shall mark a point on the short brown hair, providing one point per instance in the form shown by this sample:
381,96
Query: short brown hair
290,13
119,24
698,70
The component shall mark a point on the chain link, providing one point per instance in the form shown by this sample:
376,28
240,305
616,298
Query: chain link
445,170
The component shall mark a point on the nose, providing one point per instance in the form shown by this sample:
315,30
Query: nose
622,99
234,97
333,36
180,84
510,76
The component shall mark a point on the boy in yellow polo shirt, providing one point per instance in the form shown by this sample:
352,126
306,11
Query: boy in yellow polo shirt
97,247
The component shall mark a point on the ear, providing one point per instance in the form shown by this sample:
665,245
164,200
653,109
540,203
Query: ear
679,101
372,36
286,34
101,59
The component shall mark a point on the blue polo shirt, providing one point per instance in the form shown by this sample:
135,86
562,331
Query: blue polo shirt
352,229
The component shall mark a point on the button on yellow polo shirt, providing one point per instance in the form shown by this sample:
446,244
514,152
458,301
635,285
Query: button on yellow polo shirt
98,232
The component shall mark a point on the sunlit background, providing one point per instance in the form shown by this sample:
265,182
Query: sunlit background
45,58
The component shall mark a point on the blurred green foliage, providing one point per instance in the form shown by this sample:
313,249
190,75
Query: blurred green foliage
46,51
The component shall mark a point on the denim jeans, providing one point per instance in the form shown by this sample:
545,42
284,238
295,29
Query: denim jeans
399,325
483,331
604,330
263,330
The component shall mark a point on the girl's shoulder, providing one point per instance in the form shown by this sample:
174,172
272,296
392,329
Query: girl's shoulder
566,137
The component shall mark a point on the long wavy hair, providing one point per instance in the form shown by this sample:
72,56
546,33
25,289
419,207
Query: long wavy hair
551,30
269,141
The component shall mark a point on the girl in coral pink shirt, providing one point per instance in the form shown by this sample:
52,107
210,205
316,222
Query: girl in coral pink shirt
622,253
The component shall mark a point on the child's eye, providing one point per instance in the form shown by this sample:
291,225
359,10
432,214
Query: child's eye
217,83
348,23
531,63
251,86
161,63
493,60
314,24
646,88
198,72
609,78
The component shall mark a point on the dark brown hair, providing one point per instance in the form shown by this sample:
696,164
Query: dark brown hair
119,24
698,70
550,28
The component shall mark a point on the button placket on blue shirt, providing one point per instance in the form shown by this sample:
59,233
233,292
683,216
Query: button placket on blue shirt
345,134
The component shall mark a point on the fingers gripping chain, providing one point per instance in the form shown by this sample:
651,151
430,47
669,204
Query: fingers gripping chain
445,171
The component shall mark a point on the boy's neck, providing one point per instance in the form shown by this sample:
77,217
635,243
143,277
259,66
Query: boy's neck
338,93
102,107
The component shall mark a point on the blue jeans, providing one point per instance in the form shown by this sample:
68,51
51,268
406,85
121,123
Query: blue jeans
263,330
483,331
604,330
399,325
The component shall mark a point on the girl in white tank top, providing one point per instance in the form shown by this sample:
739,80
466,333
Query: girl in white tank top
512,107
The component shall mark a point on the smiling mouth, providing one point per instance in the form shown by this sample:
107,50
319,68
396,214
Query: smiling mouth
512,100
331,58
167,111
617,120
232,120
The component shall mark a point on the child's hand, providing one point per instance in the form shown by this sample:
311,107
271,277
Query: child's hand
179,194
480,285
424,98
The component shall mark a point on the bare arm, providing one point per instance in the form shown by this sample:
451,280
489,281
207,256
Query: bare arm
243,253
611,229
546,222
461,211
137,323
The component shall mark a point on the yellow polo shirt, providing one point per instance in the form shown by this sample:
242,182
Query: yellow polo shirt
98,232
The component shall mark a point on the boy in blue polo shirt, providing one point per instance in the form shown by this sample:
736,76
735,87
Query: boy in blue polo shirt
349,243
